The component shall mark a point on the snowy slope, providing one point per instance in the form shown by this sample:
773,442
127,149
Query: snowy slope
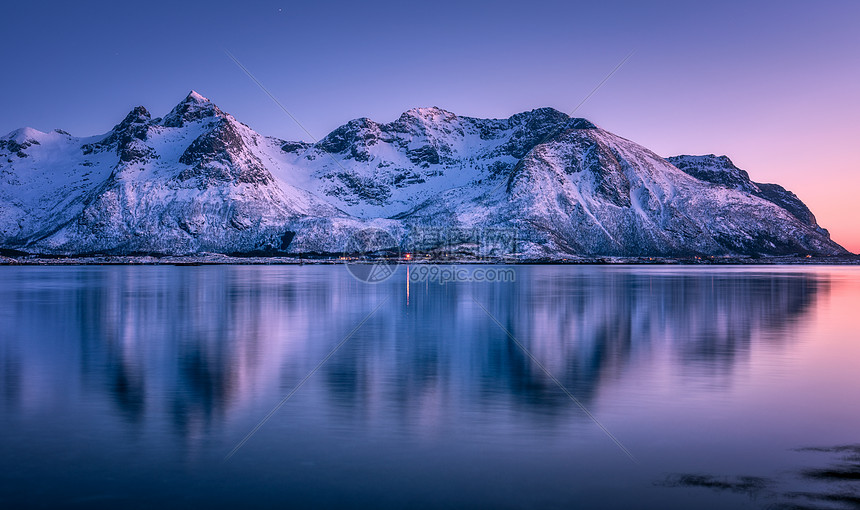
585,191
44,178
187,183
198,180
381,170
720,170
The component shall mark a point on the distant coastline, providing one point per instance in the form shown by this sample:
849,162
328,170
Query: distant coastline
315,259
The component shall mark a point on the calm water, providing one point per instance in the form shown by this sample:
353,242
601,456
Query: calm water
128,386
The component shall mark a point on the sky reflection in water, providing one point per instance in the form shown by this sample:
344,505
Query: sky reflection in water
124,385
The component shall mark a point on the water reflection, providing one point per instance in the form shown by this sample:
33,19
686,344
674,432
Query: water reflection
197,344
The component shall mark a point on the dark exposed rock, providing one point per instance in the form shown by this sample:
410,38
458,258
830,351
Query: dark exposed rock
17,148
194,107
352,136
788,201
406,178
499,168
418,121
126,136
425,154
362,189
295,146
220,155
537,126
715,169
720,170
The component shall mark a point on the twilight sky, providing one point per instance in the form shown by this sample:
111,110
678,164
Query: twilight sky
773,85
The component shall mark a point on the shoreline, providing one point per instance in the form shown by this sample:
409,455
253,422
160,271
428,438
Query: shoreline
218,260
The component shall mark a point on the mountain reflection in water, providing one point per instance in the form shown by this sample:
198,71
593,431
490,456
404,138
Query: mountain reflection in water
197,342
180,363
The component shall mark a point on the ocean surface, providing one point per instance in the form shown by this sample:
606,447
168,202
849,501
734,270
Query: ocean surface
303,387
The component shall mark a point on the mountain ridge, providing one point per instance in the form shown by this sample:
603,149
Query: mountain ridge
198,180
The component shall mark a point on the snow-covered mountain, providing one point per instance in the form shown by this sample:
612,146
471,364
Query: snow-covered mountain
538,184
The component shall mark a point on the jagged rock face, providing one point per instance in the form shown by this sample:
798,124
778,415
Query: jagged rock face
551,186
382,170
715,169
586,191
532,128
593,192
127,137
193,108
16,144
721,170
220,156
190,183
295,146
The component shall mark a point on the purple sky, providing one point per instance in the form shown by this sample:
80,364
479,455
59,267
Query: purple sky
774,85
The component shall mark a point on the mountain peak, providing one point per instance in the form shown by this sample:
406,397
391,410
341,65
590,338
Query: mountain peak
20,139
427,110
24,134
432,114
548,111
137,115
539,116
126,135
193,107
711,168
714,169
193,96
